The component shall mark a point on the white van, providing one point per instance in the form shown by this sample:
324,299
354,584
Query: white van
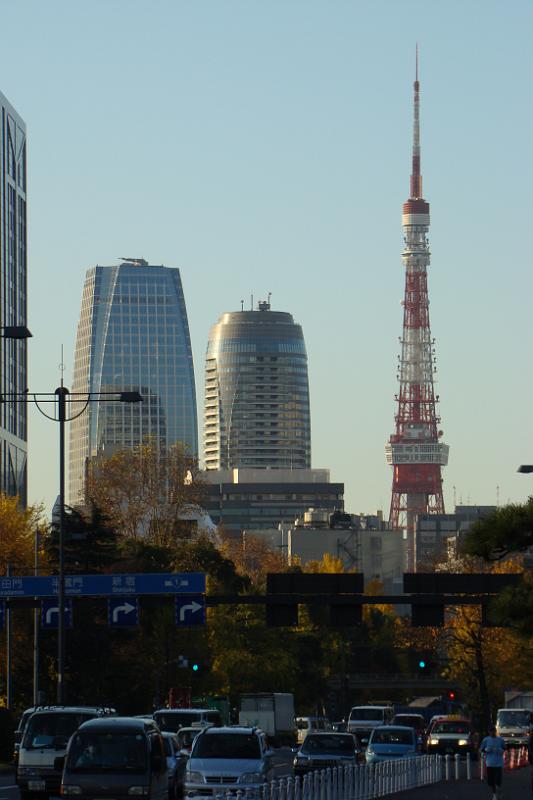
363,720
45,738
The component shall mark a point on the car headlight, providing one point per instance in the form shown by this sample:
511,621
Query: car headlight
251,777
138,790
194,777
462,742
370,752
67,789
433,741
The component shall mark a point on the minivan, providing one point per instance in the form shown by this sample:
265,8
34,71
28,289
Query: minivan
115,757
45,738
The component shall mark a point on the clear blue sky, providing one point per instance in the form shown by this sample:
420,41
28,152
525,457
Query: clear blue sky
265,146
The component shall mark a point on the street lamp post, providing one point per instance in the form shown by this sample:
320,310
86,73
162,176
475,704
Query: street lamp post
62,396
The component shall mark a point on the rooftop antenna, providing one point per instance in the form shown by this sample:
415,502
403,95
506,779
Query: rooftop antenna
251,302
62,366
269,296
242,305
416,177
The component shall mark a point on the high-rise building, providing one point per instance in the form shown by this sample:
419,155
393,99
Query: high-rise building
133,335
256,392
13,300
415,449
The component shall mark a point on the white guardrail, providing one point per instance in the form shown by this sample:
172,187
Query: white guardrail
360,782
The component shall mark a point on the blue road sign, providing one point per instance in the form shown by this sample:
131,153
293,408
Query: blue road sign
2,614
94,585
50,614
123,612
190,610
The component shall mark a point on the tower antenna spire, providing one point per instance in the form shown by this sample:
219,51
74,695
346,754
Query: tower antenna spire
415,449
416,177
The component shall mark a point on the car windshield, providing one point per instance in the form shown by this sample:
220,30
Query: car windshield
392,736
520,718
366,713
315,743
411,721
451,727
107,751
227,745
52,730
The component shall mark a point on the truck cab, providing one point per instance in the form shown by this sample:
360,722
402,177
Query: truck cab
514,725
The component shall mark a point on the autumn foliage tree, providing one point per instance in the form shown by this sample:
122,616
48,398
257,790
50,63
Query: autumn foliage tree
146,491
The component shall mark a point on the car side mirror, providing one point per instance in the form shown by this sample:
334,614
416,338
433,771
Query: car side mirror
59,763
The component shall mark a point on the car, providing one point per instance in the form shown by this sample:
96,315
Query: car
416,721
115,757
322,750
186,736
176,764
227,759
451,735
305,725
388,742
172,719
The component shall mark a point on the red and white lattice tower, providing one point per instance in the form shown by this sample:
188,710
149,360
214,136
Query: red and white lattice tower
414,449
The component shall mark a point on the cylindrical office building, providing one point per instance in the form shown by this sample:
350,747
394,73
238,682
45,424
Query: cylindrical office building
257,392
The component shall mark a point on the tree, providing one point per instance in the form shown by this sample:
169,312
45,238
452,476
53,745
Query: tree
18,529
90,541
146,491
506,531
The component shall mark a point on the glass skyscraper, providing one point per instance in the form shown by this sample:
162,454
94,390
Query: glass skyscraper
256,392
133,335
13,301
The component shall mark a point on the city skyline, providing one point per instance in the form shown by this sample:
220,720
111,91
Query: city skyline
272,158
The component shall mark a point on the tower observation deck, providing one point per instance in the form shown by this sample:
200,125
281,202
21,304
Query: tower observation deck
414,450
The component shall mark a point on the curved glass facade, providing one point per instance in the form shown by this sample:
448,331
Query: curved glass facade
256,392
133,335
13,302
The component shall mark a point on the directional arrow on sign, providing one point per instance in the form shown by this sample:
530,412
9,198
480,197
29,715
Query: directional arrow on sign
50,613
190,610
123,612
127,608
192,607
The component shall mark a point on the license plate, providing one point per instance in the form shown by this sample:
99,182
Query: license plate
36,786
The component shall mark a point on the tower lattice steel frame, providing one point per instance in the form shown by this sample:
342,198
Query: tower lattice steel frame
414,449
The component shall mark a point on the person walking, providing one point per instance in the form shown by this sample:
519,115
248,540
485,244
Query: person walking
493,747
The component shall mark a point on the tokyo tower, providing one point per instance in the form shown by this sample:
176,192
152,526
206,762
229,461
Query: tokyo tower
414,450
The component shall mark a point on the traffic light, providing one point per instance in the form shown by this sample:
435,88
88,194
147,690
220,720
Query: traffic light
423,663
195,667
451,695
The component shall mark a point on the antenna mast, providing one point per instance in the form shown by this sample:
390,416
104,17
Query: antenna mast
414,450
